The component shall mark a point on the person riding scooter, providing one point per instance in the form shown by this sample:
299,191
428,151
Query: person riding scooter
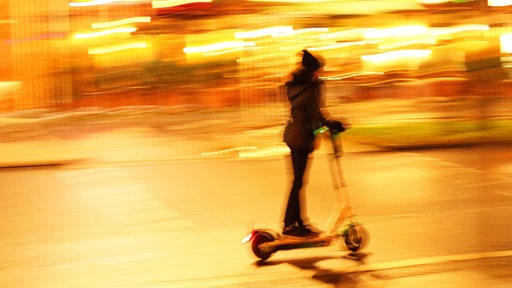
304,91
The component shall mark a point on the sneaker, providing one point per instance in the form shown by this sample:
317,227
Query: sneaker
313,228
302,231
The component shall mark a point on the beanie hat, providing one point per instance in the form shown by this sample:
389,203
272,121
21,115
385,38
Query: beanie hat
310,62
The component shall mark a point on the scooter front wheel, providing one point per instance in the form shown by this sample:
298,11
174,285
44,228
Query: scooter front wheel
356,237
260,250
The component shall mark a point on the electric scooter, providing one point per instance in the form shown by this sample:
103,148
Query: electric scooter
342,226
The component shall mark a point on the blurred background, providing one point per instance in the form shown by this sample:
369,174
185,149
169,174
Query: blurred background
104,102
66,55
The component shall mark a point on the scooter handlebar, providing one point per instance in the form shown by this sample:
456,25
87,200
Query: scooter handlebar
333,131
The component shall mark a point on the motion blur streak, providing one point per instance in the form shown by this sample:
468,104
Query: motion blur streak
263,32
218,46
402,31
102,2
506,43
116,48
90,3
339,45
105,32
243,52
397,55
139,138
499,3
102,25
172,3
458,29
300,31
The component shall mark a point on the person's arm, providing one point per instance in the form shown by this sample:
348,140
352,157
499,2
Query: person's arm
316,115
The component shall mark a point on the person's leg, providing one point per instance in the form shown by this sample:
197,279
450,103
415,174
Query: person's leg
299,162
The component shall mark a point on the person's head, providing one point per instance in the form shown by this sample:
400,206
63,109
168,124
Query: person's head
312,63
310,67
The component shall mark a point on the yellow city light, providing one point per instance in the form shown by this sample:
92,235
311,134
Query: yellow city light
218,47
90,3
400,31
499,3
350,34
434,1
408,42
276,31
300,31
338,45
263,32
120,22
100,2
172,3
293,1
105,32
458,29
506,43
120,47
397,55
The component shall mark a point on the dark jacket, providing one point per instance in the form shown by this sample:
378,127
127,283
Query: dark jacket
304,95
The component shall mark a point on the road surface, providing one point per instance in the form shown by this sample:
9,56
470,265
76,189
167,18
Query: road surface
179,223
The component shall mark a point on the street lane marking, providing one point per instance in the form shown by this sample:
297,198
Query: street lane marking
304,276
265,151
230,150
425,261
411,157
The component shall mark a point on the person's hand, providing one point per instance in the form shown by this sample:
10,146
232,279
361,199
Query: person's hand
335,126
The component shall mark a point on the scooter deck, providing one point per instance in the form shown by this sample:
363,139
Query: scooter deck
291,242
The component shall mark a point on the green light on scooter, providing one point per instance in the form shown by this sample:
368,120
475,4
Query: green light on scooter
321,130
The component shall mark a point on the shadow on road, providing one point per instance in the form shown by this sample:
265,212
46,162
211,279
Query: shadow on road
328,276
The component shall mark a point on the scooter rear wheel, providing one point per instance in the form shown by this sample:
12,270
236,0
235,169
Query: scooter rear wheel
260,238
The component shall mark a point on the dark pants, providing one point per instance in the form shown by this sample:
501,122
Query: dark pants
293,209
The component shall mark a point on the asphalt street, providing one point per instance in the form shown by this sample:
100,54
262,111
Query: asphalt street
91,201
179,223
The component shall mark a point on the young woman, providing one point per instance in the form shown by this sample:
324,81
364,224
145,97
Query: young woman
304,93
